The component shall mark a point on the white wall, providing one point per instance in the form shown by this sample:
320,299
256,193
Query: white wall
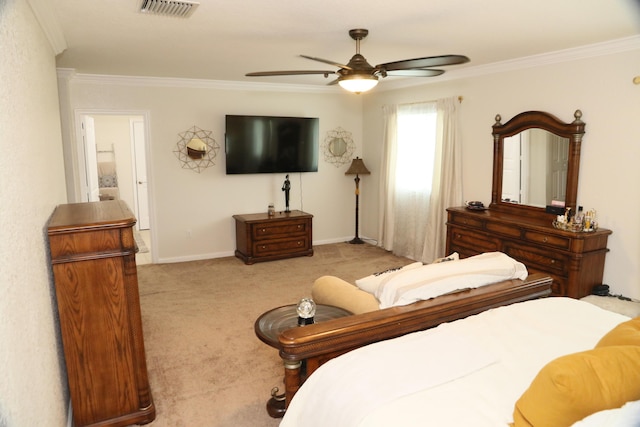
609,174
32,388
192,212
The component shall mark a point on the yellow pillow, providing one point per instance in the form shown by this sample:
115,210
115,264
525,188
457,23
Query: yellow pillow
626,333
571,387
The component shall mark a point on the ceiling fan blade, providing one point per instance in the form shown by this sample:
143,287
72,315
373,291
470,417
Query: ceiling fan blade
429,61
288,73
418,72
333,82
326,61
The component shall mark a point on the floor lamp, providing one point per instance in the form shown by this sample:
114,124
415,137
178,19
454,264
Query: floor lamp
357,168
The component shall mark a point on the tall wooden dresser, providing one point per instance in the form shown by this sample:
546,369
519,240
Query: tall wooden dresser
575,261
94,268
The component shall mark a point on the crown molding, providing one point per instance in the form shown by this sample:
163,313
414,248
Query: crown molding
565,55
583,52
45,15
141,81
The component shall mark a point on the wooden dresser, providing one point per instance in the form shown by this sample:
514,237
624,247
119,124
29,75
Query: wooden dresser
575,261
94,268
260,237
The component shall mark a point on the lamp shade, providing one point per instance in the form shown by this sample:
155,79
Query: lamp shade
357,168
358,83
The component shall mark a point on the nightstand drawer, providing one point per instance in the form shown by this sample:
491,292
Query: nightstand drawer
275,247
273,230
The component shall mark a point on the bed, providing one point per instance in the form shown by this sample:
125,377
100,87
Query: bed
550,361
303,350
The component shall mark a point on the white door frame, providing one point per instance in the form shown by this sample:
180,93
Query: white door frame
139,173
81,172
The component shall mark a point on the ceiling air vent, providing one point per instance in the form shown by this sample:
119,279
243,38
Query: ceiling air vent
180,9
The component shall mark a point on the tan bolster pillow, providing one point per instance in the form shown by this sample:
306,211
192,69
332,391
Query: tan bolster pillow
331,290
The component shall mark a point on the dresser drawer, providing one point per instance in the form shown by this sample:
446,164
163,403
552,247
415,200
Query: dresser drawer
556,241
273,230
505,229
545,261
286,246
477,242
469,220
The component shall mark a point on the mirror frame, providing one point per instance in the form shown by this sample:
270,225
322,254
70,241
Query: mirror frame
542,120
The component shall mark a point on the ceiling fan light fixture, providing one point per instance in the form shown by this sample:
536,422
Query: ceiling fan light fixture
358,83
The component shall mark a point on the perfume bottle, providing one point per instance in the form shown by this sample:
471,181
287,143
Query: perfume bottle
579,218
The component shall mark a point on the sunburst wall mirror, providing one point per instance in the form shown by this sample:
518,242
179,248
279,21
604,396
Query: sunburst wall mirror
338,147
196,149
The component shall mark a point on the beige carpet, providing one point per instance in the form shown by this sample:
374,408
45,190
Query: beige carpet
206,366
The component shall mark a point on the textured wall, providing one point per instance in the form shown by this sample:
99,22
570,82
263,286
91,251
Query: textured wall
32,384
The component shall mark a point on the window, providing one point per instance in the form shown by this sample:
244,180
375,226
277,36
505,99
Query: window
416,146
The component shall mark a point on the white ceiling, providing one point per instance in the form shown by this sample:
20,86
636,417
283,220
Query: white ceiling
224,39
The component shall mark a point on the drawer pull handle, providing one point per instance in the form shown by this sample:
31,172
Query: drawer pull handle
264,230
264,247
299,226
299,243
458,236
553,261
544,240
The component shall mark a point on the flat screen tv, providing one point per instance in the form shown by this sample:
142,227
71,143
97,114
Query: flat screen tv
267,144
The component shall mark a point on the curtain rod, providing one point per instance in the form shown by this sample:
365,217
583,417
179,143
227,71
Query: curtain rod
460,98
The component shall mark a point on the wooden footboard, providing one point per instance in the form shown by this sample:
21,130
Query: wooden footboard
315,344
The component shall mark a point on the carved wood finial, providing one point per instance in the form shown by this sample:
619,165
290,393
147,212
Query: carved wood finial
498,119
578,116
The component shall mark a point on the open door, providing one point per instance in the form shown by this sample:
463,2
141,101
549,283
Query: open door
141,193
92,188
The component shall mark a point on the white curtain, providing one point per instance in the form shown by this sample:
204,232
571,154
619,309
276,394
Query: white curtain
387,177
413,220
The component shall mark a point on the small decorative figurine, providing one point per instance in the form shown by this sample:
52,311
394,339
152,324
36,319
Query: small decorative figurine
286,187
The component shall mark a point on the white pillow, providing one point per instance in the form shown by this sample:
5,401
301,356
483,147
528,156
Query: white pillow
432,280
370,283
626,416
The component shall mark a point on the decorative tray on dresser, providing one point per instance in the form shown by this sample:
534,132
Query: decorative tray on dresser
575,260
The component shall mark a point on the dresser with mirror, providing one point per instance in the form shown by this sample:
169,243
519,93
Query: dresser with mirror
536,161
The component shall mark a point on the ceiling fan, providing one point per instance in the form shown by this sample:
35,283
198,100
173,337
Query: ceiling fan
359,76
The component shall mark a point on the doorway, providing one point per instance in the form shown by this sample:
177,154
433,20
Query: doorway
113,152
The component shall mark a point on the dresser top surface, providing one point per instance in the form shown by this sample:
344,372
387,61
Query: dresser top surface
280,215
77,216
531,223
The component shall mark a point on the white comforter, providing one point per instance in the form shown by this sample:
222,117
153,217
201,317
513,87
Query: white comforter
465,373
